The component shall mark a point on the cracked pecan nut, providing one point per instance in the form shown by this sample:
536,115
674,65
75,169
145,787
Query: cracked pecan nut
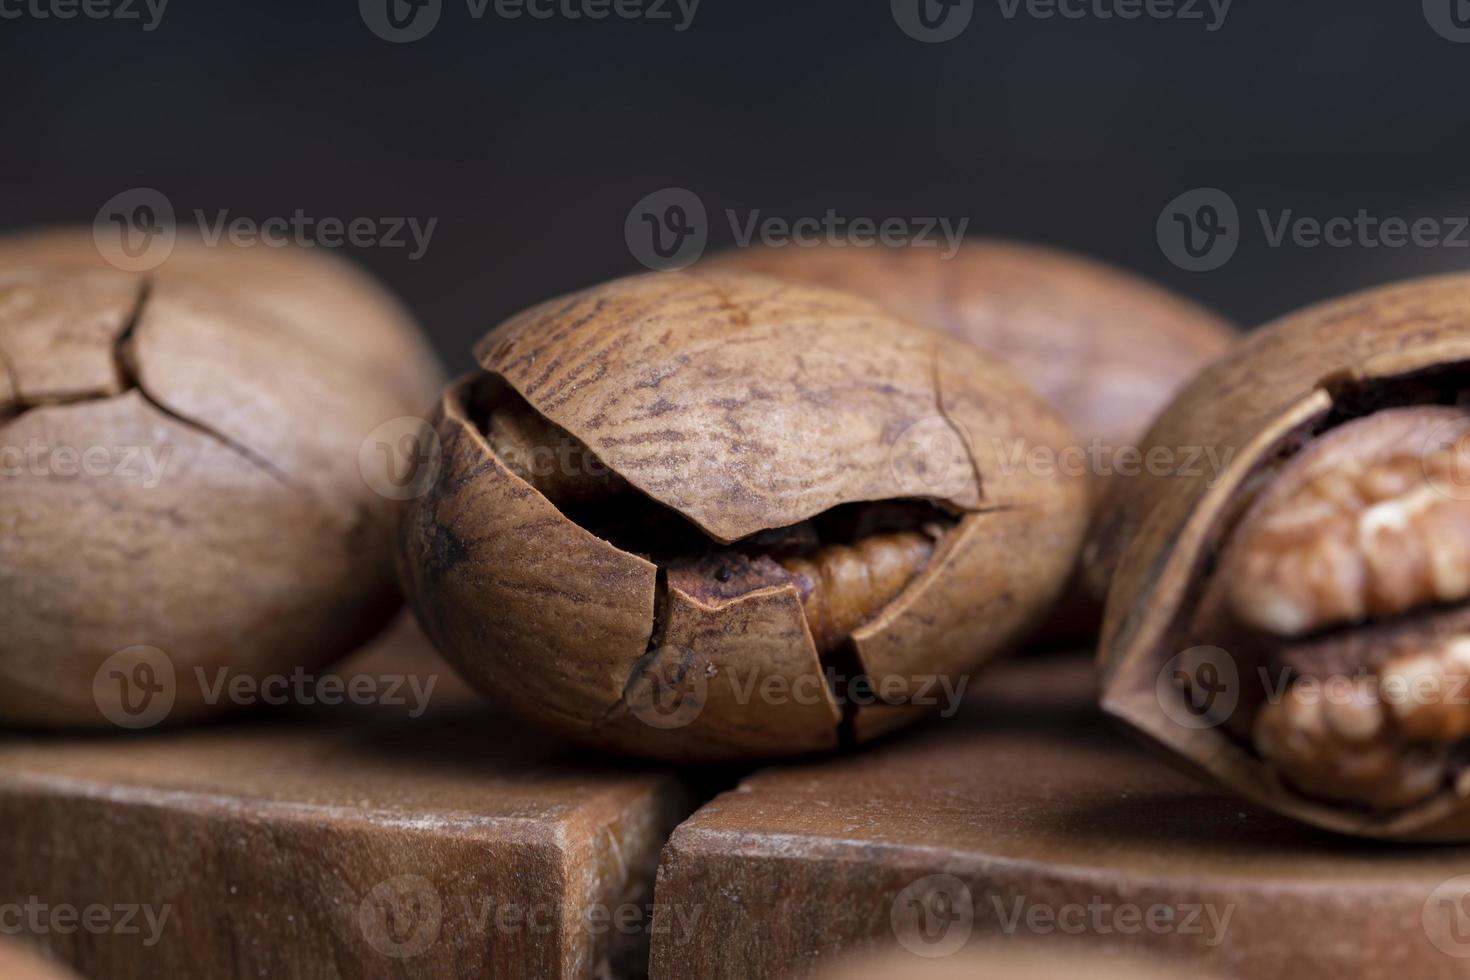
1369,522
1329,559
181,474
1364,523
1106,348
1336,742
695,516
1384,740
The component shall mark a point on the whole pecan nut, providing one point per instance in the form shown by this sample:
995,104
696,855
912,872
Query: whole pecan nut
709,516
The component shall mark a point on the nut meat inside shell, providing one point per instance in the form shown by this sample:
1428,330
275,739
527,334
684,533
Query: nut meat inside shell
1106,348
1370,522
677,516
1295,622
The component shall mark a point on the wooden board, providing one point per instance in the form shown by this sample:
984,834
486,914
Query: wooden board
1027,818
347,841
996,961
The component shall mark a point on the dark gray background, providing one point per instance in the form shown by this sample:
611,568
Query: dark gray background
531,140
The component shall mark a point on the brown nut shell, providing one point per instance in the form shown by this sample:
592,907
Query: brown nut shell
1282,390
736,409
1106,348
183,487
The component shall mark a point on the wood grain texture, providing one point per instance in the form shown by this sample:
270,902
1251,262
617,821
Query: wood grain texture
350,841
997,962
1026,819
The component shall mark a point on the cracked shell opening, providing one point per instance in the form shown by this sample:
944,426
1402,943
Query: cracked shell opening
847,563
840,569
1341,589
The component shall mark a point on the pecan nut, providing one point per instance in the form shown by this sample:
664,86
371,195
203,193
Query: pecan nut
1329,555
670,519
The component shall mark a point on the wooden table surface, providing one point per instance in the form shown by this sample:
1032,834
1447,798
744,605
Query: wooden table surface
360,842
341,842
1027,817
1009,960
